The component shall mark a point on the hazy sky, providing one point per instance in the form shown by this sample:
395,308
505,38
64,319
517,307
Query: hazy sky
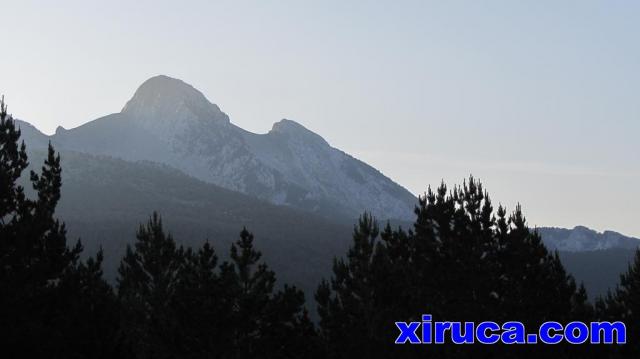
539,99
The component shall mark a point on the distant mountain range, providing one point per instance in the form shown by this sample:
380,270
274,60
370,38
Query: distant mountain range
173,151
168,121
581,239
594,258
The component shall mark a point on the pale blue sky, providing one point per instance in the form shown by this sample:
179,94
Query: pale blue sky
539,99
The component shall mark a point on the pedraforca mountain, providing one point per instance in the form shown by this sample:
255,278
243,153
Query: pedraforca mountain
170,122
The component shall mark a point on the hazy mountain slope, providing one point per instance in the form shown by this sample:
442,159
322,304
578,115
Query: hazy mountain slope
599,270
104,200
112,135
595,258
170,122
582,238
104,209
32,136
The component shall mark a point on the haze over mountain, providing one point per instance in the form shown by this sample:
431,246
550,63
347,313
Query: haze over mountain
170,122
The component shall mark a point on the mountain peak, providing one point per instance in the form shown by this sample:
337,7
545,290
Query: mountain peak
296,130
164,97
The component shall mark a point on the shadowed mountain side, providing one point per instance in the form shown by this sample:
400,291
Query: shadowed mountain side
599,270
105,199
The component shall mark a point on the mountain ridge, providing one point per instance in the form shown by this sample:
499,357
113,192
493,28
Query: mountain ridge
583,239
169,121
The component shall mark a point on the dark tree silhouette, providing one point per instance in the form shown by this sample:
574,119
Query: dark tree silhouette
48,297
181,303
149,275
351,304
268,323
204,307
461,262
623,304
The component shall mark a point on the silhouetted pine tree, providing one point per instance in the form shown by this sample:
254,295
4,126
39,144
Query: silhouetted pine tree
89,324
43,285
461,262
204,307
267,323
353,306
13,161
149,275
182,304
455,253
534,286
623,304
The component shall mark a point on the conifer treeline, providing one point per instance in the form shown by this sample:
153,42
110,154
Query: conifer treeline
463,260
